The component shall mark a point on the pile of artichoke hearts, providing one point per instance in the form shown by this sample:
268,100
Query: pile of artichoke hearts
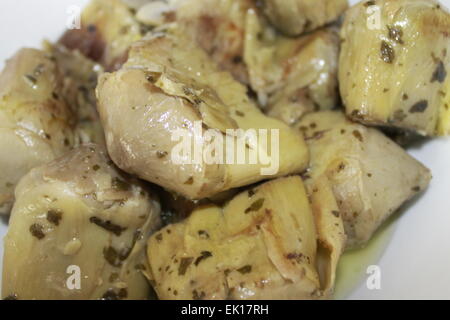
99,209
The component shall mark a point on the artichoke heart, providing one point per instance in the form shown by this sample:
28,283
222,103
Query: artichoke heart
219,28
291,76
168,91
260,245
398,78
369,175
36,123
78,230
47,107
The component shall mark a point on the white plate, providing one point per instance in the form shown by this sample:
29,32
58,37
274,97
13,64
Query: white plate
416,261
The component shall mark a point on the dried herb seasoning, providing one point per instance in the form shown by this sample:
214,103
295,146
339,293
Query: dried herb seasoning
255,206
54,216
387,52
107,225
37,231
184,265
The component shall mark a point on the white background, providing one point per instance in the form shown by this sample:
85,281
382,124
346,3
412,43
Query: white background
415,265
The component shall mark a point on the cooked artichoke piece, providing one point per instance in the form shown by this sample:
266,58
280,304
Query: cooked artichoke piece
169,85
36,124
294,17
218,27
108,28
78,213
291,76
297,74
261,245
48,106
370,175
399,78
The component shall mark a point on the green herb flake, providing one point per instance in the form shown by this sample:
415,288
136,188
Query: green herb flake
184,265
203,234
255,206
107,225
120,185
54,216
37,231
358,135
159,237
395,33
251,193
245,269
161,154
419,107
440,73
112,256
198,296
387,52
203,256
